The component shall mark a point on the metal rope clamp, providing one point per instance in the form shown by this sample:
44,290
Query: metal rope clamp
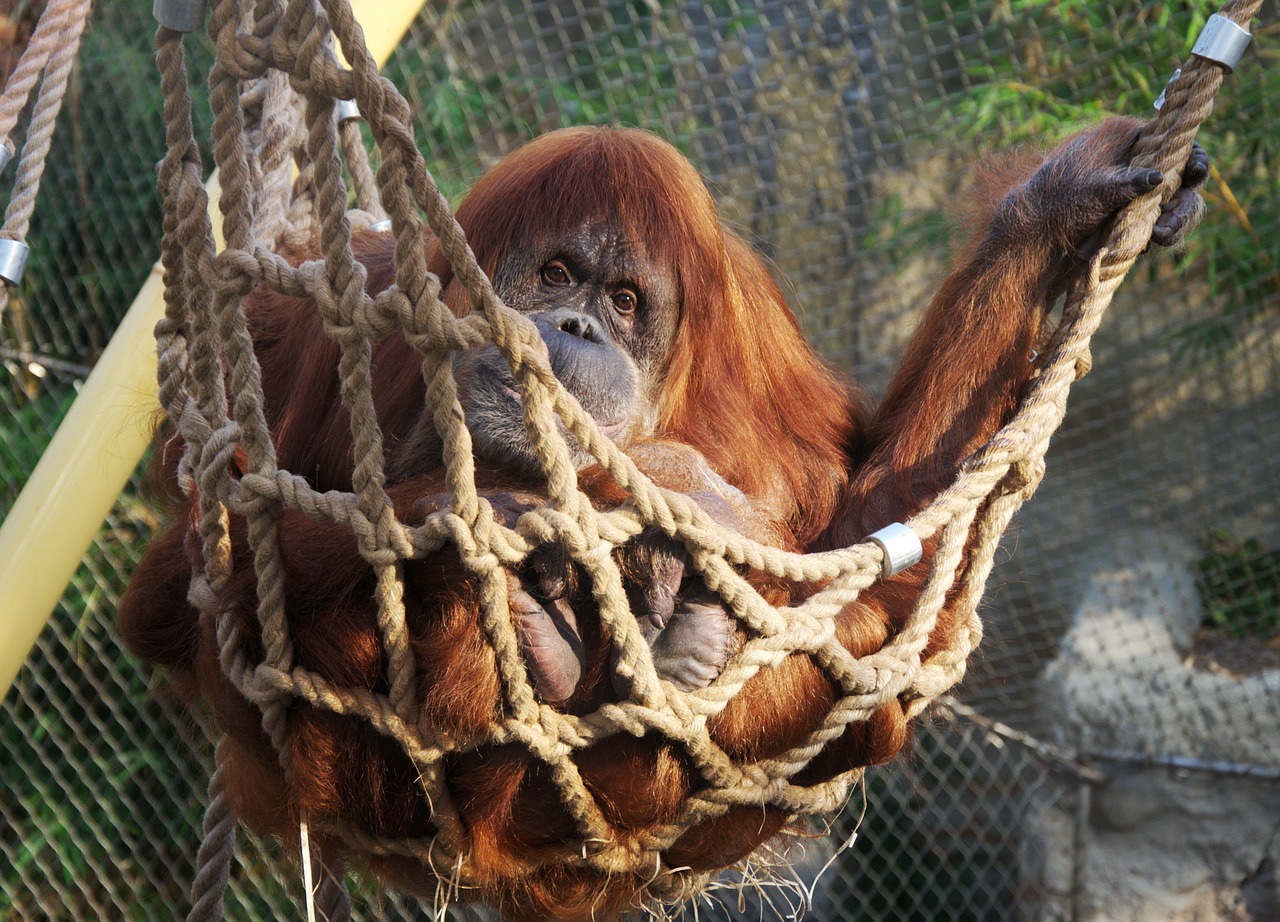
1222,40
346,110
179,15
901,546
13,260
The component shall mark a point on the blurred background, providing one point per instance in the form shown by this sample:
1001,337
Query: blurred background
1114,752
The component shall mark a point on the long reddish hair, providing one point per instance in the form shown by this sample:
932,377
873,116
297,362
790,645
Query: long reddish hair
741,385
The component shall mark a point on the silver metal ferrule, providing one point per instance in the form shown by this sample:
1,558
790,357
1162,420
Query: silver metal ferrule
901,548
179,15
1222,40
346,110
13,260
1160,99
381,227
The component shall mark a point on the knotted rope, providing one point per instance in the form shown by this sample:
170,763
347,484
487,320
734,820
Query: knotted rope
205,349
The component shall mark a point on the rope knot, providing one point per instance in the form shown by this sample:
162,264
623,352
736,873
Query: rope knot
235,272
253,496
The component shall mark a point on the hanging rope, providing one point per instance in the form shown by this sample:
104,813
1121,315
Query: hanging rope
203,342
47,59
213,861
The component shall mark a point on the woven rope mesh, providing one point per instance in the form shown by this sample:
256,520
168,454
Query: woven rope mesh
205,332
829,132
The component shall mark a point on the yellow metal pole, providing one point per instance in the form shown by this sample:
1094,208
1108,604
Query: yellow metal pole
104,434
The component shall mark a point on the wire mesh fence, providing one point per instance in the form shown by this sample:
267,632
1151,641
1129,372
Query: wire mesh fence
1128,688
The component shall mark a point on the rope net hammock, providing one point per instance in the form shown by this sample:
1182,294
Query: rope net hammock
274,61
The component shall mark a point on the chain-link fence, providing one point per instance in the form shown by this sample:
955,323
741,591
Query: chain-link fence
1115,751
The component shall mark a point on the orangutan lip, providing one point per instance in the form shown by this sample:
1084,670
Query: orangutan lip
610,429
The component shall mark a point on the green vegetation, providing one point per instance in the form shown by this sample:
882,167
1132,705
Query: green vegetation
23,437
1239,583
623,71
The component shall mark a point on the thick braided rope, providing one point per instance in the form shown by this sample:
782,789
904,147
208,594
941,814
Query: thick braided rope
44,117
51,52
44,40
270,127
204,332
217,848
363,182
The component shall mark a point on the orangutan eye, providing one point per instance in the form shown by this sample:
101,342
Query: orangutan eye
557,274
625,301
